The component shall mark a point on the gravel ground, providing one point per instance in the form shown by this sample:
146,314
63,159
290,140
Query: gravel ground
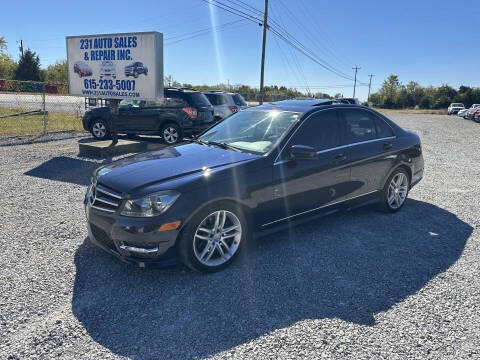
356,285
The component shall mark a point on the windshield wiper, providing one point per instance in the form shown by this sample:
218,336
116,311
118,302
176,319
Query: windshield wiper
223,145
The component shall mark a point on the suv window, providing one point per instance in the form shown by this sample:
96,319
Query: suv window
321,131
197,98
238,99
217,99
359,126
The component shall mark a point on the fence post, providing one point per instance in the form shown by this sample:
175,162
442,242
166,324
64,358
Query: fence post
44,111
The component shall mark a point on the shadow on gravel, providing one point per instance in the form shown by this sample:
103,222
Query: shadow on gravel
66,169
349,266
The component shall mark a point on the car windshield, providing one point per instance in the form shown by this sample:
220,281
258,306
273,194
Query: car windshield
457,105
255,131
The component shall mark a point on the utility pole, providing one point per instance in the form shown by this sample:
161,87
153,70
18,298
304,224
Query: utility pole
21,47
369,86
356,68
262,70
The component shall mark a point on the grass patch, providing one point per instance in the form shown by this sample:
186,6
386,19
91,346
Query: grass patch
33,124
414,111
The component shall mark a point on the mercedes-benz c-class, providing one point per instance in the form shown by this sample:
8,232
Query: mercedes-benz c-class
271,166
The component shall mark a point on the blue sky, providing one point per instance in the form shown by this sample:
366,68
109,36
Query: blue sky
432,42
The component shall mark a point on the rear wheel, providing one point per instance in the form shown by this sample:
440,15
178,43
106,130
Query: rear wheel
395,192
99,129
213,238
171,134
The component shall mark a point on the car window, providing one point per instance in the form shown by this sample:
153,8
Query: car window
383,129
359,126
255,131
321,131
217,99
238,99
198,99
129,103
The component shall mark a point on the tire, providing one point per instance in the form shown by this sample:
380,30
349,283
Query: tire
206,236
146,72
100,129
135,74
477,120
171,134
392,200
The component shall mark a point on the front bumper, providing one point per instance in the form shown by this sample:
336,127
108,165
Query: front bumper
132,240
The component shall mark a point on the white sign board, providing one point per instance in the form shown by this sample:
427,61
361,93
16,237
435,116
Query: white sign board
116,66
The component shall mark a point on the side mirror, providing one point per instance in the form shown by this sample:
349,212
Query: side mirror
302,152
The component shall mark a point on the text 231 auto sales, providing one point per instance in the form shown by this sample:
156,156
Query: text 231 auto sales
100,48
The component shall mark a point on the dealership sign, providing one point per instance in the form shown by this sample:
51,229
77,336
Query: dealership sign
116,66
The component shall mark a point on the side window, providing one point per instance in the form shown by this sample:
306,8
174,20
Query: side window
383,129
321,131
359,126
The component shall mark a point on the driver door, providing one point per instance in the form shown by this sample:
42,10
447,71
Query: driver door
301,186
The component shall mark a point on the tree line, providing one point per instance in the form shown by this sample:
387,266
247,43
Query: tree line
395,95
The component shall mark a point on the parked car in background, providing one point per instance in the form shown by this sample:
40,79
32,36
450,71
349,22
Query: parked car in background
469,114
82,69
107,68
454,108
239,101
261,169
476,115
179,114
223,104
463,113
353,101
136,69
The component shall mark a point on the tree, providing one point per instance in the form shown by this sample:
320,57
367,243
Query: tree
7,64
3,45
57,73
28,67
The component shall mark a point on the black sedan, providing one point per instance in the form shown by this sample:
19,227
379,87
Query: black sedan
266,167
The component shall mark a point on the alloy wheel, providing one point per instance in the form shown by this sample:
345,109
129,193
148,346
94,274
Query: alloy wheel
217,238
170,135
99,130
397,190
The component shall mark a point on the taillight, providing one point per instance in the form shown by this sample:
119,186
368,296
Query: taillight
233,109
191,112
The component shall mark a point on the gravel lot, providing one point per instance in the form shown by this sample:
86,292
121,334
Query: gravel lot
357,285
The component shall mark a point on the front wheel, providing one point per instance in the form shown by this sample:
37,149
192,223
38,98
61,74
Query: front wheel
171,134
99,129
395,191
213,238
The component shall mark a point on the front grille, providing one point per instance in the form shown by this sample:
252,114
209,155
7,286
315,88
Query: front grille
102,237
105,199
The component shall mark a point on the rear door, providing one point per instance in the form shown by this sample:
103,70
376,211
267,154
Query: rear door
304,185
371,142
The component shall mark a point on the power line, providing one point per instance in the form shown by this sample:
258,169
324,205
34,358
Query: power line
234,11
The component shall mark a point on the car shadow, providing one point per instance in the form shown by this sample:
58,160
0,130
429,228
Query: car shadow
66,169
348,266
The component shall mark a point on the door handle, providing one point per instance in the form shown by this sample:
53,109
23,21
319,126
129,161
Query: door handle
387,145
339,158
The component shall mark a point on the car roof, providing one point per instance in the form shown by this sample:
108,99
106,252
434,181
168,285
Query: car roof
297,105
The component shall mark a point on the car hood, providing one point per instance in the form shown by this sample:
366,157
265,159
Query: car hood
133,173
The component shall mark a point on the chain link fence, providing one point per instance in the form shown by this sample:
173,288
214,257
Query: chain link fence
32,110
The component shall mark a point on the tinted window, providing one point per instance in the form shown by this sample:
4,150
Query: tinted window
321,131
217,99
359,126
198,99
239,100
383,129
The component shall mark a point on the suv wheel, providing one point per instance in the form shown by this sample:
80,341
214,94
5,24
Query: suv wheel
99,129
213,238
171,134
395,192
135,74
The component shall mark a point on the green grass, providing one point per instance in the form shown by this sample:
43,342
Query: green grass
33,124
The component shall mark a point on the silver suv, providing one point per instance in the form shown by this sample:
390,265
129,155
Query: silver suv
238,100
223,104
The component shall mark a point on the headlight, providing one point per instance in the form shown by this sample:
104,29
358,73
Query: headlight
150,205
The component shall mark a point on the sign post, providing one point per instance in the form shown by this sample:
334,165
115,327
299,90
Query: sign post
116,67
